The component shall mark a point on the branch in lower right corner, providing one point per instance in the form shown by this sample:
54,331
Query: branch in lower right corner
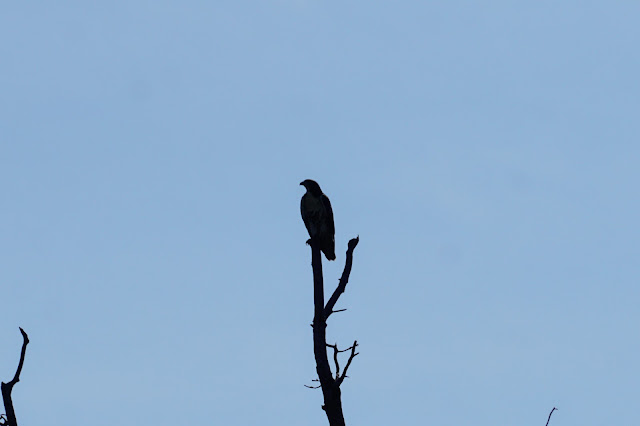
549,418
6,388
344,279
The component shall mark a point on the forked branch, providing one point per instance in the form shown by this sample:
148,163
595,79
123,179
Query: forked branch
336,351
340,379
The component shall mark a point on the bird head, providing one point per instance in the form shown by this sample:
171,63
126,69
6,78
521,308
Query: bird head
312,186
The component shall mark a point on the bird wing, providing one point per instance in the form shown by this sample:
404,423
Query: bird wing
304,211
329,219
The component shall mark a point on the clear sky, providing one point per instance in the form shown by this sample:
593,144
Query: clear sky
151,242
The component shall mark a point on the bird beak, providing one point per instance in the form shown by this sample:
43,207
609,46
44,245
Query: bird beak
301,183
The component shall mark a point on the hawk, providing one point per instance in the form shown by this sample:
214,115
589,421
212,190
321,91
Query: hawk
318,218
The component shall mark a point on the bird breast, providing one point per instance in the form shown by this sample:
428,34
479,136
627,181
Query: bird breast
313,204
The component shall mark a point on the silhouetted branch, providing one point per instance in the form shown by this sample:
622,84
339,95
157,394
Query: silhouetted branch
344,279
335,358
336,351
552,410
10,420
330,385
330,390
351,357
313,387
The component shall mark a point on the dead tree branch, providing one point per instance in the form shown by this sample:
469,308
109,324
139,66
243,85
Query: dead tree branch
330,385
335,358
8,387
344,279
340,378
313,387
346,367
552,410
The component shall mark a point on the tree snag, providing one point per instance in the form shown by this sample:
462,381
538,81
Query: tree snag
10,419
330,385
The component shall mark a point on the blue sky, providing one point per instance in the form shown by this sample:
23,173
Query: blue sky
486,154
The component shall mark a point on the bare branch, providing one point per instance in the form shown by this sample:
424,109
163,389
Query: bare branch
25,341
313,387
552,410
345,350
336,351
335,358
344,279
8,387
351,357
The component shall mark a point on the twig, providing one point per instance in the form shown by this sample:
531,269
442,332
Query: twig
335,359
8,387
344,279
340,350
313,387
552,410
351,357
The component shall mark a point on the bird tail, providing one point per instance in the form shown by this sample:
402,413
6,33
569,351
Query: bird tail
329,253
